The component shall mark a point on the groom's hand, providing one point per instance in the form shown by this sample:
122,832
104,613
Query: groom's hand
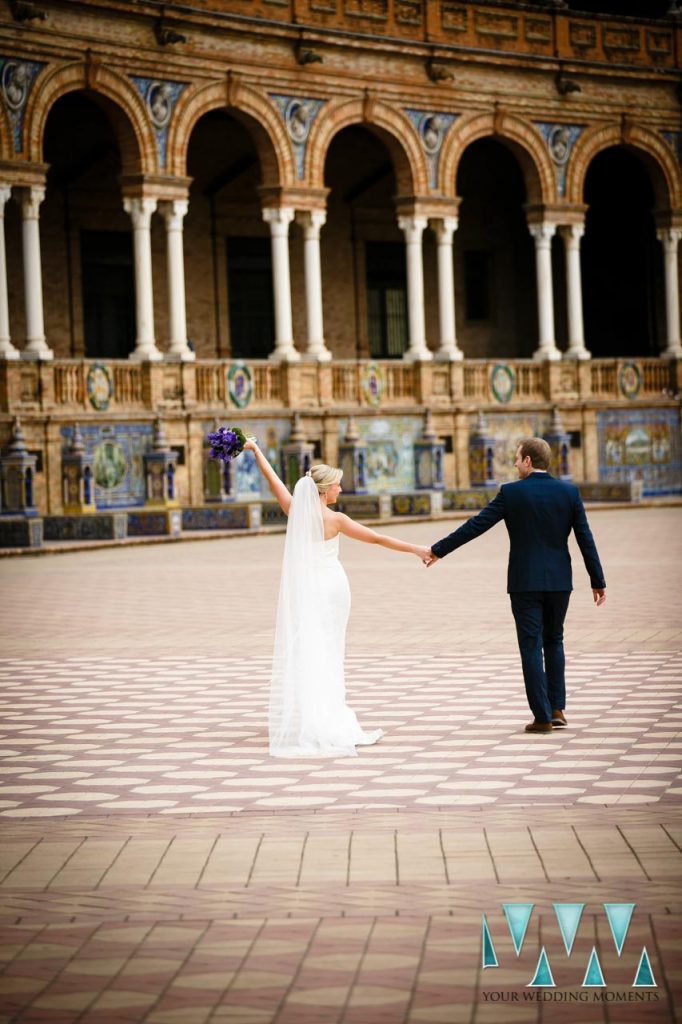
599,596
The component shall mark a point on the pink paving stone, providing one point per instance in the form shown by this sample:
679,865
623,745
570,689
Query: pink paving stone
297,1014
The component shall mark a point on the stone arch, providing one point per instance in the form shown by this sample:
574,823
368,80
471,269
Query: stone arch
651,147
525,142
115,94
255,112
394,129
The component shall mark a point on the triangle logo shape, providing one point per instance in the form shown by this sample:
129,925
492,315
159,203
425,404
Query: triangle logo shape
594,977
644,978
619,915
568,915
488,956
518,916
543,973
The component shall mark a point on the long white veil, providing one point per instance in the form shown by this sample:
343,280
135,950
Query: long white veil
299,639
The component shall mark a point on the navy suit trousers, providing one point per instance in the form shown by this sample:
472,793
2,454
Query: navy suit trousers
539,617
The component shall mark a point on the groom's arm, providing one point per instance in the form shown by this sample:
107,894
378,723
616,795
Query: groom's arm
474,527
588,548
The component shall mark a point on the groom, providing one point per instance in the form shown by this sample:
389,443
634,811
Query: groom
539,513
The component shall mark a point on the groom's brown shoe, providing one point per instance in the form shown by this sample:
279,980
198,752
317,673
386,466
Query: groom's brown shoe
559,720
539,727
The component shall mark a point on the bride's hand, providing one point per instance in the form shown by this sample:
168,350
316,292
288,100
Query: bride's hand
423,554
251,445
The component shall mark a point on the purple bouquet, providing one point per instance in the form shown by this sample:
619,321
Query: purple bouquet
226,443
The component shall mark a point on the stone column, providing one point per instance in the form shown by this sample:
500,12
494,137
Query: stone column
413,229
571,234
279,219
7,349
173,212
141,211
312,221
543,233
444,230
36,346
670,238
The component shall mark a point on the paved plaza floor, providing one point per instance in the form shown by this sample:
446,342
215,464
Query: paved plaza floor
157,865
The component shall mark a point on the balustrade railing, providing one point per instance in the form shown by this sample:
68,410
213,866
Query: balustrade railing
529,381
603,379
78,386
345,383
128,388
69,383
400,382
210,383
267,383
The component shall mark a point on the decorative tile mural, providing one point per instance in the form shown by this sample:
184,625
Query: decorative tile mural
117,450
507,430
271,435
390,451
641,445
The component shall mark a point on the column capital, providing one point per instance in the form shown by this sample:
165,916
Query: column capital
140,210
279,218
311,221
30,197
173,212
542,233
572,233
670,237
444,228
413,225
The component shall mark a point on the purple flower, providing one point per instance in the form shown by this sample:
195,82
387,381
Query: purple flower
226,443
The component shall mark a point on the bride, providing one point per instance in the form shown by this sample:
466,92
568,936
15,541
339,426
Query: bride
309,716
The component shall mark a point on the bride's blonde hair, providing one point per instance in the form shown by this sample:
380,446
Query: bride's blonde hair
324,476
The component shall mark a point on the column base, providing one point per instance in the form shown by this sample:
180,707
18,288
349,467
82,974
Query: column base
542,354
148,353
448,355
418,355
577,353
8,351
317,354
672,353
285,354
183,356
43,354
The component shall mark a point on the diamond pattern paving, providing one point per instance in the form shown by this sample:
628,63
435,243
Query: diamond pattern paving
188,735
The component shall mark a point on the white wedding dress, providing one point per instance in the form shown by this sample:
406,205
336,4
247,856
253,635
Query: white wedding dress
309,716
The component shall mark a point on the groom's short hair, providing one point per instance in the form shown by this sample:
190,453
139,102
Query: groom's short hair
538,450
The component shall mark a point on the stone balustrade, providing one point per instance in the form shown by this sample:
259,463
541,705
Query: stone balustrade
78,387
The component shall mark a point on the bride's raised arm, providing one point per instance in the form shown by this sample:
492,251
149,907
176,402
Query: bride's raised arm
356,531
278,489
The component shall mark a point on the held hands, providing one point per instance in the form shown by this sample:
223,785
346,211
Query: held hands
425,555
599,596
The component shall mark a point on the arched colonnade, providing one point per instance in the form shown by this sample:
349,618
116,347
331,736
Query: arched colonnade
153,127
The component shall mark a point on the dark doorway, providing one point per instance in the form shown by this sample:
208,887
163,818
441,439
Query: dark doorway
108,294
621,258
363,256
386,299
494,257
251,304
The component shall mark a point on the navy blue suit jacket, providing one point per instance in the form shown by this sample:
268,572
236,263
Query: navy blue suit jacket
539,513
